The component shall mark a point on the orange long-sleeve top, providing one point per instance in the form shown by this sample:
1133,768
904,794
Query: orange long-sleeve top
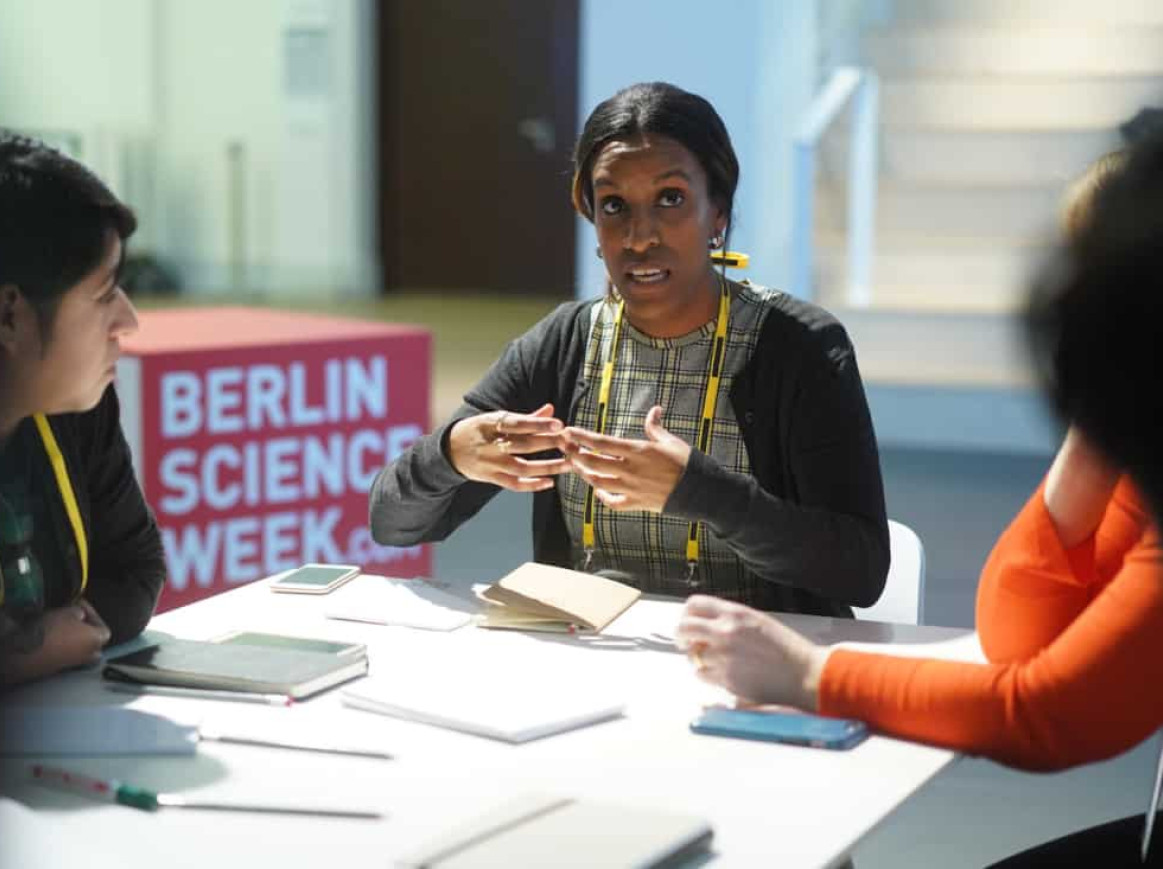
1074,643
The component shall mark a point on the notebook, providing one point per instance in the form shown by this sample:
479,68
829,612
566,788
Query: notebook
235,667
410,603
540,597
496,706
536,830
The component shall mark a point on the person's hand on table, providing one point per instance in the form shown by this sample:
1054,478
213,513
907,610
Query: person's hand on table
629,474
490,447
751,654
66,637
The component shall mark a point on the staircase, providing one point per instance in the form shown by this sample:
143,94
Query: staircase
988,109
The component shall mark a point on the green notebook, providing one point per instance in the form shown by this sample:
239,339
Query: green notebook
235,667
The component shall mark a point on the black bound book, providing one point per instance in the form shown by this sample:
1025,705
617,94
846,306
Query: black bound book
235,667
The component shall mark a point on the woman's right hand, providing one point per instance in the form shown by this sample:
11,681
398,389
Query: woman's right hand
490,447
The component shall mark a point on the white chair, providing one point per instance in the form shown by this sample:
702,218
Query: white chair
903,599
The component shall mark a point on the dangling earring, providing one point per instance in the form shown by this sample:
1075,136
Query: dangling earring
598,251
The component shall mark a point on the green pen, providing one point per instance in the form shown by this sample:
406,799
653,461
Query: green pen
114,791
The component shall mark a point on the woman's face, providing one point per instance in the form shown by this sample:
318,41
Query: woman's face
70,371
654,218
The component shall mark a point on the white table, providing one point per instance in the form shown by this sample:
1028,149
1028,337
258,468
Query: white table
769,804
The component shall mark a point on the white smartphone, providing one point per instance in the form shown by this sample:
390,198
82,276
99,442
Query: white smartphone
315,578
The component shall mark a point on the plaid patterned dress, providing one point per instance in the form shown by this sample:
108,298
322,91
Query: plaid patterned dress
671,372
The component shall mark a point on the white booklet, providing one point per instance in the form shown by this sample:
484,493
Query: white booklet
497,704
409,603
542,830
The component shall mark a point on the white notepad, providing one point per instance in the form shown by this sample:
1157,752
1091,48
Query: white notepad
410,603
496,705
541,830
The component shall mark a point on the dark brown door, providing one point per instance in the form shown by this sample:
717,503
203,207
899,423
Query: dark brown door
478,113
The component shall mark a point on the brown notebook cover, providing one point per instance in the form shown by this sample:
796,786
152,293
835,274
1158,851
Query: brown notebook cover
543,597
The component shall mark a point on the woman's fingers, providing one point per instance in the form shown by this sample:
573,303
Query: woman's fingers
507,424
615,501
519,467
610,481
605,444
705,606
693,631
526,475
523,484
524,444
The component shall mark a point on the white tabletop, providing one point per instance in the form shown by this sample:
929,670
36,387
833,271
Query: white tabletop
768,804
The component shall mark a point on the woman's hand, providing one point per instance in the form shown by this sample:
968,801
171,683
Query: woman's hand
1078,488
72,636
489,447
751,654
630,474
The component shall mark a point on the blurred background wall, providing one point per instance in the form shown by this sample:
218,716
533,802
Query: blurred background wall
241,132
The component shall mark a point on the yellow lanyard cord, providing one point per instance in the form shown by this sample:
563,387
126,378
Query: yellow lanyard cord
714,375
66,489
603,404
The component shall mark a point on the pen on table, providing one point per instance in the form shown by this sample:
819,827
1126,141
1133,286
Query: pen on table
211,734
200,693
114,791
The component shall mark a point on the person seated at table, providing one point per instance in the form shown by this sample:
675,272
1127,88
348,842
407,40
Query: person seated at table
604,409
81,560
1070,605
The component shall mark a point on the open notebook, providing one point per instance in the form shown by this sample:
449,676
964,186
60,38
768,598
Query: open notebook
539,597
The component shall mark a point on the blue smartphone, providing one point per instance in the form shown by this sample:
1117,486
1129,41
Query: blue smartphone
789,727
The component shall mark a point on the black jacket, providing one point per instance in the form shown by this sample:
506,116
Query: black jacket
126,560
809,524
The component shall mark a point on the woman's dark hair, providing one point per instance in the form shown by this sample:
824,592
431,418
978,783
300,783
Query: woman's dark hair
664,110
1095,320
55,220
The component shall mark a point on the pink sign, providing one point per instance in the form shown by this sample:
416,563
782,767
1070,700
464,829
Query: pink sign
256,435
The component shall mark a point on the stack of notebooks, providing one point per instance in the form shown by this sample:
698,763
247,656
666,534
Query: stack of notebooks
538,597
249,662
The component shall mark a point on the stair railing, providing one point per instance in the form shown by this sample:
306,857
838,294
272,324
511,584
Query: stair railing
859,87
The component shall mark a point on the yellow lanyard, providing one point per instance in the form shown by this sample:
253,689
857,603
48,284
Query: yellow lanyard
714,375
57,460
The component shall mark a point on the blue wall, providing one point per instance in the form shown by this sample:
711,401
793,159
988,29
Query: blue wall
753,59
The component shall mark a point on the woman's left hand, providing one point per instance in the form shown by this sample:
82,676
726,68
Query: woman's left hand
752,655
630,474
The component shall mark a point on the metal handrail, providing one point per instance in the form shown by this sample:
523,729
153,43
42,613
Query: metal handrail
861,87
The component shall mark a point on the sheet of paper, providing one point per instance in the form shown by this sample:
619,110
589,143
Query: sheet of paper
92,730
410,603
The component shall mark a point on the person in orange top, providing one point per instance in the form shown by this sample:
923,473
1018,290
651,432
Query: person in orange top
1070,604
1070,618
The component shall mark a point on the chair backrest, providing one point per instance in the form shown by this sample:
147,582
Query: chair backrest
903,600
